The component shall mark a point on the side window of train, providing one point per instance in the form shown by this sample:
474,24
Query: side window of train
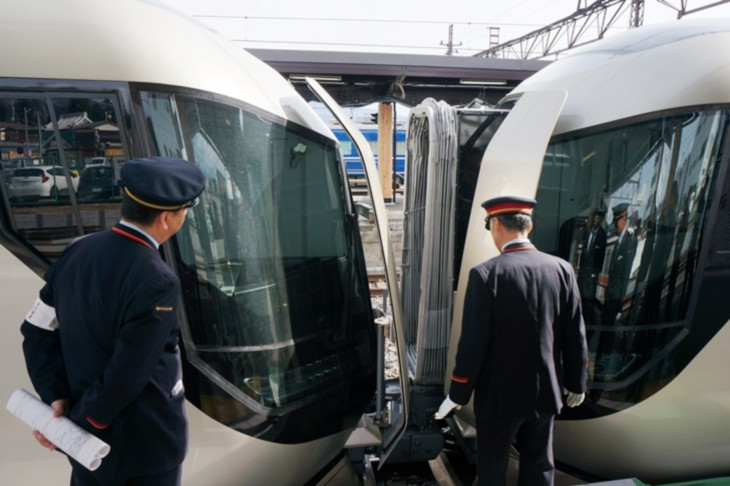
627,208
60,156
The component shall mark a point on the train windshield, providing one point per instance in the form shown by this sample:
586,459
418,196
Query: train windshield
627,207
274,284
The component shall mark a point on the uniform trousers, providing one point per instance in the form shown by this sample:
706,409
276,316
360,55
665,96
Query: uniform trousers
534,441
83,477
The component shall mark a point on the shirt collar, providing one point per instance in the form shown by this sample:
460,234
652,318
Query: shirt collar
521,241
621,236
137,228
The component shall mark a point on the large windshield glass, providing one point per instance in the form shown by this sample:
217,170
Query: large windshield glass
627,207
275,289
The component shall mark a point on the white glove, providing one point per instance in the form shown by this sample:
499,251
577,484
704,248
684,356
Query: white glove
447,406
573,399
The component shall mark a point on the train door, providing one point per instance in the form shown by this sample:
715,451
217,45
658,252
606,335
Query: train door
399,420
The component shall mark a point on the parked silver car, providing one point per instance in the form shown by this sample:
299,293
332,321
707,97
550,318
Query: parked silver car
40,181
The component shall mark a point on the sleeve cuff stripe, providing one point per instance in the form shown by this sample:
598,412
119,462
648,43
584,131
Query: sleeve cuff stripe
96,424
459,379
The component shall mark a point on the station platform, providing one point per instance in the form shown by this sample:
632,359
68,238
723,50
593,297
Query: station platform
438,472
449,470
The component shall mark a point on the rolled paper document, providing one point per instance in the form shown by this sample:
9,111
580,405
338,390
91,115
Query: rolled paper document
84,447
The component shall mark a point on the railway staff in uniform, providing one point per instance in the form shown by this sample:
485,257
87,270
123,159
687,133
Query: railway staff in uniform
522,348
590,264
101,341
619,267
619,274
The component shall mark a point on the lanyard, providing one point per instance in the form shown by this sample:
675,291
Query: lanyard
132,237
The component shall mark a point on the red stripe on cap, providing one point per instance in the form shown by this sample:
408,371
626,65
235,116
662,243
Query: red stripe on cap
459,379
510,207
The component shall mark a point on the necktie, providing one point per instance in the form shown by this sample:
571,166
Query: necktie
590,239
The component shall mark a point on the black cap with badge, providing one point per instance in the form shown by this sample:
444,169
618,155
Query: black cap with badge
163,183
620,210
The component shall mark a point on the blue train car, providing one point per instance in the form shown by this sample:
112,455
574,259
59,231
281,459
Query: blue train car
353,163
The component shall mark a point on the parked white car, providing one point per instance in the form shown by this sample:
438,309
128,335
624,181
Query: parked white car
40,181
99,162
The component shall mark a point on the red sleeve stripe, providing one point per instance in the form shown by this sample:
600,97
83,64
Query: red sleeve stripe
459,379
96,424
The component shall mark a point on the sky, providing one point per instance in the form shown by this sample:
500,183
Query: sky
401,26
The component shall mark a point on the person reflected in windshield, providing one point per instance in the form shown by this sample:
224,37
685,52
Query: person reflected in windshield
590,264
663,234
619,271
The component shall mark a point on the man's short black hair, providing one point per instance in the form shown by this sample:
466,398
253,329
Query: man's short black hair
515,221
135,212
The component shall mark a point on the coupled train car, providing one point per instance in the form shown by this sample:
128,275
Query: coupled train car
277,329
632,126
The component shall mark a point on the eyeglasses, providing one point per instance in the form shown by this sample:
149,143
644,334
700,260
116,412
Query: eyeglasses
487,220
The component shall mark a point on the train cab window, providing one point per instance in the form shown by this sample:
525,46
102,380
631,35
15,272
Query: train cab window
346,147
46,142
374,147
278,305
400,148
627,207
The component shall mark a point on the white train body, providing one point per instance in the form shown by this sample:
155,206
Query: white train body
639,118
276,378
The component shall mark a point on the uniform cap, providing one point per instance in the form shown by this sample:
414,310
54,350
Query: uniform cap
163,183
509,205
619,210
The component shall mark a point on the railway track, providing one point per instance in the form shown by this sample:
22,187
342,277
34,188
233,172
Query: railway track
378,284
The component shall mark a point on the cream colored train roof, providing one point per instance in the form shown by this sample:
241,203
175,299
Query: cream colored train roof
649,69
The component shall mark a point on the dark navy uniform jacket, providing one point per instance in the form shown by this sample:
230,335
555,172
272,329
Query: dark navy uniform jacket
591,258
115,353
619,268
522,336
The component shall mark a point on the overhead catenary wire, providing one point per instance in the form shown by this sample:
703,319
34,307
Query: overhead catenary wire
474,28
468,29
